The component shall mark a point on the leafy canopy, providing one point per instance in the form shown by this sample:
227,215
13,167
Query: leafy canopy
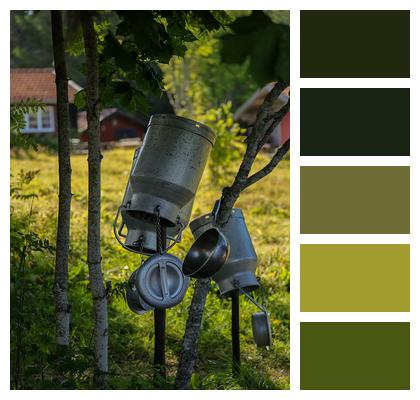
130,54
265,43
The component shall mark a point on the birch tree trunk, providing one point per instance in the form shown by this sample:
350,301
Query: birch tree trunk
97,287
255,142
60,289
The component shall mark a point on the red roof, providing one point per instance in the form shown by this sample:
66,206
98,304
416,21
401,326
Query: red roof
36,83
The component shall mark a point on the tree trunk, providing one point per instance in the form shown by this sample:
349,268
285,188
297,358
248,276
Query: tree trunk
97,287
188,353
60,290
189,349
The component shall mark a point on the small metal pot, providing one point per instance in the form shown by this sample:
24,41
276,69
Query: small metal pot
261,329
207,254
242,262
160,281
134,300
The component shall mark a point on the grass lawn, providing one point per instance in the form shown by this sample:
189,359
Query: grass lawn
266,207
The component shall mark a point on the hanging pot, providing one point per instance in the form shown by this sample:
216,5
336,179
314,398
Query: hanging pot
160,281
134,301
242,262
207,254
261,329
168,168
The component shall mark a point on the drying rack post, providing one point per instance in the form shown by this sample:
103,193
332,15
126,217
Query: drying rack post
236,345
160,321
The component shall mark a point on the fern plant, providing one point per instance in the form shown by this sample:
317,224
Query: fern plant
17,123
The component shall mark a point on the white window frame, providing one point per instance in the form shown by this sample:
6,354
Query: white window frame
40,128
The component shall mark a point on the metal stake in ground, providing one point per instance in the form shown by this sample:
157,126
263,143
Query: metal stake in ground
160,314
236,345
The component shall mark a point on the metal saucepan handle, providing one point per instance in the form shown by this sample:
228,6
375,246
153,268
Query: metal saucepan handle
235,283
216,210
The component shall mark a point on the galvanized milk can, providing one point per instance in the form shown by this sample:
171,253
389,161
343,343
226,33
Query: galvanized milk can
140,235
242,261
165,174
167,171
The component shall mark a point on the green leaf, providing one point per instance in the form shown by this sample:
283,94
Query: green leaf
80,99
194,381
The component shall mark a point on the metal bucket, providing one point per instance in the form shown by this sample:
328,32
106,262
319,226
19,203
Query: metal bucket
140,235
239,269
167,171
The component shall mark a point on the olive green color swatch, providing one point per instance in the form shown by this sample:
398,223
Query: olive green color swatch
355,44
355,355
355,278
329,125
355,200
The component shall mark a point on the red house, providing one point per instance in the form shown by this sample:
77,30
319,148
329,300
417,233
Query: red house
39,84
247,113
115,125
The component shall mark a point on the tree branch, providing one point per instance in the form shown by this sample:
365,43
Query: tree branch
277,118
264,115
278,156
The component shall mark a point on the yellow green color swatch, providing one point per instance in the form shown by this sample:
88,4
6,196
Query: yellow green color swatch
355,277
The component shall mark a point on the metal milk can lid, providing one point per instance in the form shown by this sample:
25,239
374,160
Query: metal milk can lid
183,123
160,281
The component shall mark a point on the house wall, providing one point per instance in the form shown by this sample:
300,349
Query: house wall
285,128
281,133
112,126
72,121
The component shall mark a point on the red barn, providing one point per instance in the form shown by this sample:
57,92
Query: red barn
115,125
247,113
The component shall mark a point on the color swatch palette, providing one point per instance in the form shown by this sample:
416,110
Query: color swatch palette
365,274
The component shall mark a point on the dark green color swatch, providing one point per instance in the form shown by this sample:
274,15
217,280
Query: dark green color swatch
355,355
362,200
355,44
355,122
